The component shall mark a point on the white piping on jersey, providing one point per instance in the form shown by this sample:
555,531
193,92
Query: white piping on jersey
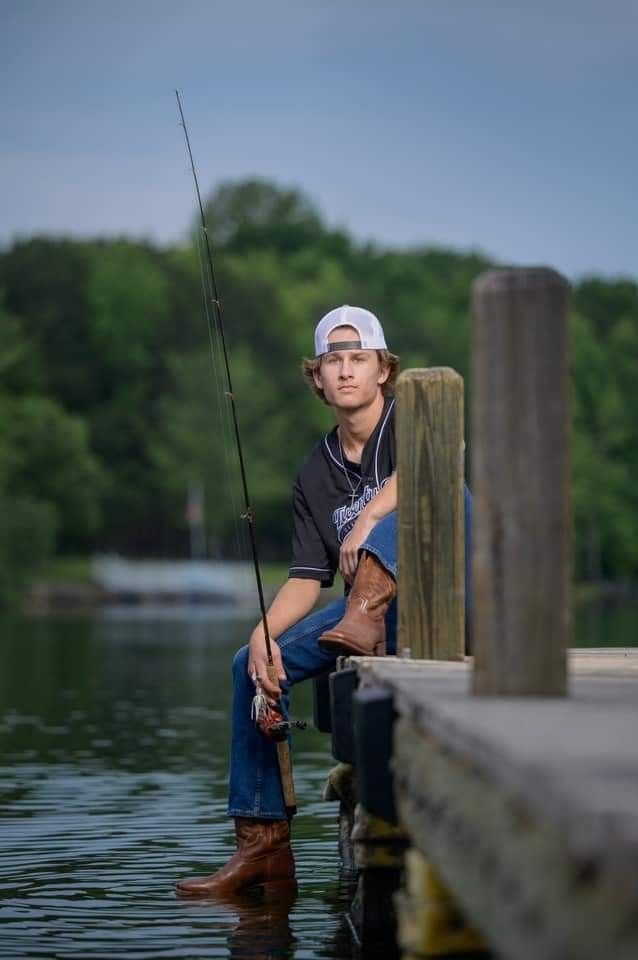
341,466
376,452
317,569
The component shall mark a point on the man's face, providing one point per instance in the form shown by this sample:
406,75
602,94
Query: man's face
350,378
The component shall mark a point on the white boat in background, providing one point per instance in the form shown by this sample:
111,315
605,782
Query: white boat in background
174,581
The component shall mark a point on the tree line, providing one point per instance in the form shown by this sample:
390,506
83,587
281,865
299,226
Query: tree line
112,402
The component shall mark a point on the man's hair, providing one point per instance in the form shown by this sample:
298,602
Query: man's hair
386,359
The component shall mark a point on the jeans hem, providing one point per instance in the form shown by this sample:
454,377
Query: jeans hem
257,814
390,567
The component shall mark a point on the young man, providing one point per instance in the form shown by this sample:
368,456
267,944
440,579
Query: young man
344,518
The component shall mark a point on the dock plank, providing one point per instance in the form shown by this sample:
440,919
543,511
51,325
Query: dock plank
551,781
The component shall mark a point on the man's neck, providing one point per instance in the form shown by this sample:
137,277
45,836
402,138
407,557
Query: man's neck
356,426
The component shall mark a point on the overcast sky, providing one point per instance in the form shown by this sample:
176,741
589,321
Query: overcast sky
509,127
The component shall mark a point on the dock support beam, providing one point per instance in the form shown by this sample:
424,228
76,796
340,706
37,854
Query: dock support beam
520,482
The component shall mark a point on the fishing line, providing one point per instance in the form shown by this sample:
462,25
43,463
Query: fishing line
217,313
241,548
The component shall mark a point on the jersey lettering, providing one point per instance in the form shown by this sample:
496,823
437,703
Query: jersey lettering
344,518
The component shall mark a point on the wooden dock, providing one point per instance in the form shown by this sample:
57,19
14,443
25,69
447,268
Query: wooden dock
525,809
497,795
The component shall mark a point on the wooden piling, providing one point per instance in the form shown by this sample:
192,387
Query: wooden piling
430,456
430,923
520,482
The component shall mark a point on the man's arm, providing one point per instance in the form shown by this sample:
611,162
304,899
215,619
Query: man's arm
378,508
293,601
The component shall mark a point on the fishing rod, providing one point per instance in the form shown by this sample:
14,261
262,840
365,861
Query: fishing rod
270,720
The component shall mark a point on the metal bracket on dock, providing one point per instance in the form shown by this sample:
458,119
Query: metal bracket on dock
343,683
321,717
373,725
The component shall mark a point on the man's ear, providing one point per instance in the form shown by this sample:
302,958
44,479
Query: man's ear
384,373
316,375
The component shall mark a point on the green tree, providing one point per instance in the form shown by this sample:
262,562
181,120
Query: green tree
49,481
258,213
109,404
50,462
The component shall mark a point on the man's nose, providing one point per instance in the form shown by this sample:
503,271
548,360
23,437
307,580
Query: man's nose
346,369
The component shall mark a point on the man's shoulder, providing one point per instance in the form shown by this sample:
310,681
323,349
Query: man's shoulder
315,460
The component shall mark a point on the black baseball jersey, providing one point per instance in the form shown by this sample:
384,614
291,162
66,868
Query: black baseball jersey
329,494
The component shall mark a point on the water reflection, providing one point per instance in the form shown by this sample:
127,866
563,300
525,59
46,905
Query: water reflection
260,921
113,776
113,779
610,621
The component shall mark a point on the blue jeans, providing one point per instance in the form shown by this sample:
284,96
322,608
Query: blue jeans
255,786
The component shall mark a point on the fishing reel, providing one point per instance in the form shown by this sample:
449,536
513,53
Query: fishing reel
271,720
276,727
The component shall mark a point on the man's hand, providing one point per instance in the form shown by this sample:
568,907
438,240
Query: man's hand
349,552
383,504
293,601
258,664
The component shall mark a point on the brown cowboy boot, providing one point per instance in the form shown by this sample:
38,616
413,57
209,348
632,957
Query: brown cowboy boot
361,632
263,856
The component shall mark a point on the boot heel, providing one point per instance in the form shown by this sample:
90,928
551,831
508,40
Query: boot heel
280,888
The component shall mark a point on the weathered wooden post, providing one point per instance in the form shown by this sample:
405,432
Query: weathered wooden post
520,482
430,457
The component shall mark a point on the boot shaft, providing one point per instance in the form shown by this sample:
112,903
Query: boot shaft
254,835
373,588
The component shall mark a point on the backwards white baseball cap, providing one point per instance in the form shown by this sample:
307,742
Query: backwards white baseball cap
370,331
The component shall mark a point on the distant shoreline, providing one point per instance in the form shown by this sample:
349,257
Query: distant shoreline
68,586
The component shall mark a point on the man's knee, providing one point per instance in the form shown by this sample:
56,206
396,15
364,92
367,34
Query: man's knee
240,661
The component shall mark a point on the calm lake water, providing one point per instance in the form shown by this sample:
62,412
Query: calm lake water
113,736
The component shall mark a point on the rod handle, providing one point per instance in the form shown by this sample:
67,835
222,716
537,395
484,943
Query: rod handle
283,757
285,769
